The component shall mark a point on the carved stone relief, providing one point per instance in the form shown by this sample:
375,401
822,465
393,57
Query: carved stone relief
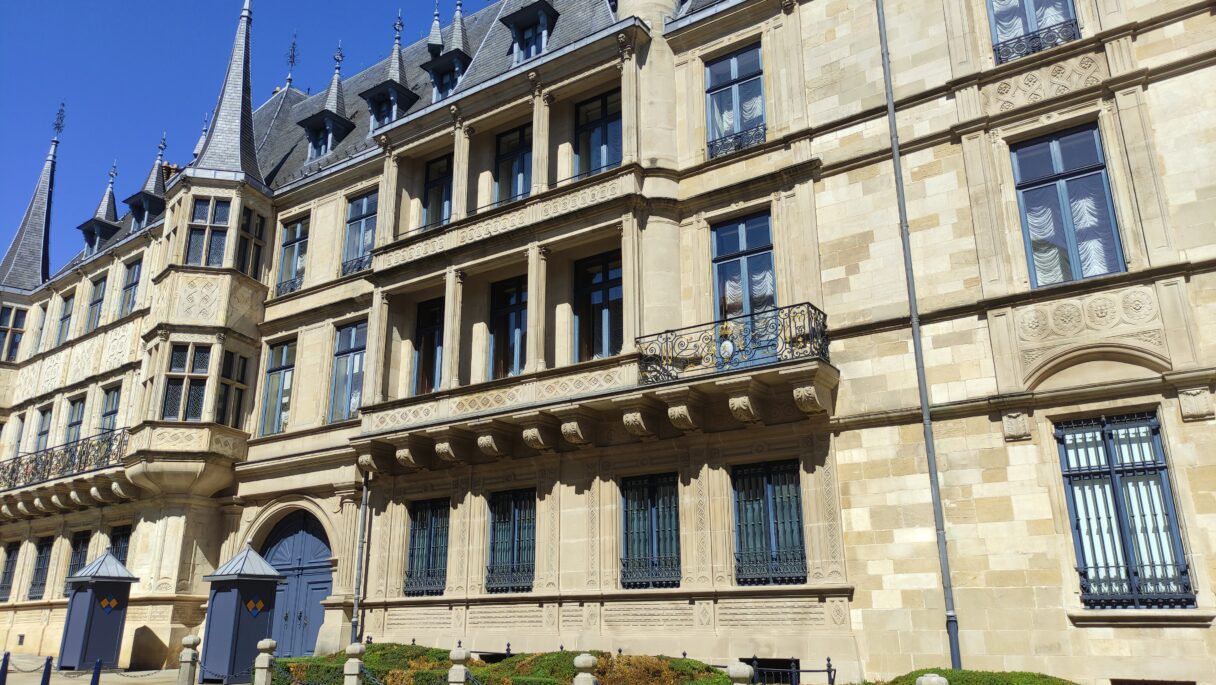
1196,403
1048,81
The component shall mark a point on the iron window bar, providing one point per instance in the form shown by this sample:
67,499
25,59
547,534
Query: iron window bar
354,266
771,567
587,174
504,202
1043,39
650,572
73,458
425,582
737,142
289,286
509,577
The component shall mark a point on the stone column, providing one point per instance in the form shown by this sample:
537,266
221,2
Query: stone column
538,267
629,283
386,228
629,104
541,103
377,349
460,167
453,304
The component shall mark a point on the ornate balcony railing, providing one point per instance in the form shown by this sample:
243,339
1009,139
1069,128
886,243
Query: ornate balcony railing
289,286
774,335
81,456
354,266
425,581
781,567
1043,39
739,141
650,572
1148,586
509,577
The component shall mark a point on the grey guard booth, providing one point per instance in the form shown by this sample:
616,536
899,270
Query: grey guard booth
97,613
239,613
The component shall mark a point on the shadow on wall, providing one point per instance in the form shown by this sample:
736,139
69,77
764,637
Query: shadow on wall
147,650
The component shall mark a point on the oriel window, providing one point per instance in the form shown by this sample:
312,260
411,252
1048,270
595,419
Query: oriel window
186,382
12,329
208,232
230,403
250,243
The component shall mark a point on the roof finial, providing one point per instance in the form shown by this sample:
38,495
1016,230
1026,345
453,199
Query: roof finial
113,173
293,57
59,121
338,57
160,149
397,26
458,37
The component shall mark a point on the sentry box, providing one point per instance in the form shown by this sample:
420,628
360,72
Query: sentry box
97,614
239,613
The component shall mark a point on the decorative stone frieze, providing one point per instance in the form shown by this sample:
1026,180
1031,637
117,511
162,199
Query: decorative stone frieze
1045,82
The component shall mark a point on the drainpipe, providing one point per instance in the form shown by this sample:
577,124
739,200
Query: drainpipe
354,618
943,557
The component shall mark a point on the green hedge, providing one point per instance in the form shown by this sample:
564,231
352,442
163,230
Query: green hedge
966,677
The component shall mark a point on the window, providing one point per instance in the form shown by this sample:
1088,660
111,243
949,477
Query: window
360,234
445,82
428,561
734,102
512,541
1125,527
529,41
80,555
1024,27
109,409
75,420
513,165
130,288
508,327
186,383
12,327
744,282
347,395
292,257
251,240
95,304
428,347
208,232
42,325
120,542
320,142
280,366
11,551
43,436
598,135
229,405
42,563
437,197
65,319
650,548
1068,220
769,548
597,306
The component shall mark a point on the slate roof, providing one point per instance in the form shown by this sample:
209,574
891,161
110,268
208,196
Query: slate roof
229,143
248,564
104,567
26,264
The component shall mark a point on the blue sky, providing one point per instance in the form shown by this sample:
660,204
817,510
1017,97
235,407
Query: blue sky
132,69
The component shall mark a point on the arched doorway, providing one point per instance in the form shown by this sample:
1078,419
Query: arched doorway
299,549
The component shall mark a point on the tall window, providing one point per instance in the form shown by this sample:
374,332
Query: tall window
347,394
44,323
1024,27
428,347
75,420
12,328
513,165
109,409
80,555
734,102
437,197
186,383
276,406
65,319
445,82
597,306
208,232
650,554
769,547
42,563
1067,215
744,282
96,301
529,41
292,258
130,288
1125,527
508,327
250,241
11,551
598,134
229,405
512,541
43,436
120,542
360,234
428,556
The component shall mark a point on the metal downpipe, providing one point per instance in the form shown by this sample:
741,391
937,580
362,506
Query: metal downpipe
943,556
354,616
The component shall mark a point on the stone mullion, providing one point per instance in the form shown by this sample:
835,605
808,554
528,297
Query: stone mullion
453,306
630,105
387,221
538,267
460,171
348,534
378,355
541,114
630,295
987,217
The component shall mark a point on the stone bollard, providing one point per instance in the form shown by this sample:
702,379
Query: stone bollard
932,679
352,670
584,663
263,665
187,670
739,672
458,673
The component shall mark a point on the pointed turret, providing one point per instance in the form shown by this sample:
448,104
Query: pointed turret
104,222
150,200
459,42
391,97
26,264
107,210
228,147
202,138
434,42
328,125
335,101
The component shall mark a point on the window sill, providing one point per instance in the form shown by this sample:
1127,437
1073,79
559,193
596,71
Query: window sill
1142,618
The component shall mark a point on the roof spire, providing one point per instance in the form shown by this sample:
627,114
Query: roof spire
106,209
396,62
228,146
434,42
335,101
154,184
293,56
26,265
198,147
397,26
458,39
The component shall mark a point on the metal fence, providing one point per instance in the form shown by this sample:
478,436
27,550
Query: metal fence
1016,48
81,456
738,141
790,675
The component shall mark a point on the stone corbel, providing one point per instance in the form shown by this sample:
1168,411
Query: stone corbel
746,398
493,437
101,493
23,510
375,456
640,414
123,490
455,446
43,505
415,452
813,388
684,407
579,425
539,431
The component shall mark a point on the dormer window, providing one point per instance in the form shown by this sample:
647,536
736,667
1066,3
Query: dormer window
139,218
529,43
320,142
530,26
445,82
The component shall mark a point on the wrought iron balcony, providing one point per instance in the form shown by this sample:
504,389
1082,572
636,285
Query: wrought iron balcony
768,337
782,567
354,266
1150,586
509,577
1043,39
81,456
425,581
742,140
289,286
650,572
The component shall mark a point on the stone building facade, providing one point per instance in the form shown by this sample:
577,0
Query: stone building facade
585,323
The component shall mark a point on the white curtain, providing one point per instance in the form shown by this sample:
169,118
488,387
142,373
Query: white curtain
1050,12
721,116
753,108
732,292
1010,18
1048,262
764,289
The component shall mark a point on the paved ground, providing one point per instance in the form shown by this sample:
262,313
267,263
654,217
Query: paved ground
26,662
